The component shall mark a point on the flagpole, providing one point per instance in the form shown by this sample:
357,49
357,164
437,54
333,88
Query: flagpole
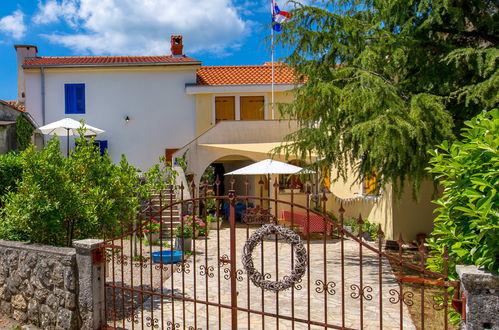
272,59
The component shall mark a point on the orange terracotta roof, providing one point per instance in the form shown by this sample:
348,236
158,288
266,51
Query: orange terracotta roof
245,75
107,60
14,105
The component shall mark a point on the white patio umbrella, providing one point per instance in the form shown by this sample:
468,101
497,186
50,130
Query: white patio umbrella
68,126
267,166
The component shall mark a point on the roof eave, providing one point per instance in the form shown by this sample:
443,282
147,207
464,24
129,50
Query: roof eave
184,63
242,88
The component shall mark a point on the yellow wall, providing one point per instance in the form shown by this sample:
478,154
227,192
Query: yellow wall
204,113
204,107
410,217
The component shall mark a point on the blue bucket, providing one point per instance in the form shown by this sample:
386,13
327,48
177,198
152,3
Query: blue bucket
167,257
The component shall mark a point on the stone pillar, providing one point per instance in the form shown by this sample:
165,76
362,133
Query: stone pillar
91,281
481,291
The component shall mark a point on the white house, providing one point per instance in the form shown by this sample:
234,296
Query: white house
139,101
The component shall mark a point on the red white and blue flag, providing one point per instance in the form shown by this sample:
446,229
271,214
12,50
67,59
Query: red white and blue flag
278,16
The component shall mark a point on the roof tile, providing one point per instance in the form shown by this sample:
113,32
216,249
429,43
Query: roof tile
245,75
100,60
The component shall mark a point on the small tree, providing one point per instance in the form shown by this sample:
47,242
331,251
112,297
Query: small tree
468,219
57,199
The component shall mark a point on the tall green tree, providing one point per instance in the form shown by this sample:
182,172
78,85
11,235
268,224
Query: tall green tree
385,81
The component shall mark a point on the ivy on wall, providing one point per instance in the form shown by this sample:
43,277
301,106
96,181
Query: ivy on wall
24,131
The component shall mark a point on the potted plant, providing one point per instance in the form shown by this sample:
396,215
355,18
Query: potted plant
214,223
152,231
183,234
196,224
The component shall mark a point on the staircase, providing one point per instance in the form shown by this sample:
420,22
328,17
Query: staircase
170,215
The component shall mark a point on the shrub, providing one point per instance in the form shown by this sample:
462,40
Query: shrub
468,214
58,199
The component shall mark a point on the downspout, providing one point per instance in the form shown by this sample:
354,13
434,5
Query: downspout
42,70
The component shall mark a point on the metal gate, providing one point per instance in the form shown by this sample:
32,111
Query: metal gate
348,282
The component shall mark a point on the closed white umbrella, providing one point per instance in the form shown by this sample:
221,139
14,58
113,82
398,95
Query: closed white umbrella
68,126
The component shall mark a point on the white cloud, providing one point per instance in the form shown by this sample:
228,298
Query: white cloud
144,26
13,25
52,11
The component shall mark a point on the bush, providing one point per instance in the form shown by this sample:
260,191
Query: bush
468,219
59,199
10,173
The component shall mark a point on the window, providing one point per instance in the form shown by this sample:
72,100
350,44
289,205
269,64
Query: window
102,144
252,108
369,186
74,98
225,108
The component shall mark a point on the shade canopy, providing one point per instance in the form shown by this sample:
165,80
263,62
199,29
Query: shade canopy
267,166
68,126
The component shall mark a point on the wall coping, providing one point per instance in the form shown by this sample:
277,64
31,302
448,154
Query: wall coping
62,251
473,276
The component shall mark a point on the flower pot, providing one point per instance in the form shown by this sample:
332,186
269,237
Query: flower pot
152,238
213,225
183,244
196,233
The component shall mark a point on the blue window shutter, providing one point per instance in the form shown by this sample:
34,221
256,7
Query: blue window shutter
102,144
80,98
69,94
74,98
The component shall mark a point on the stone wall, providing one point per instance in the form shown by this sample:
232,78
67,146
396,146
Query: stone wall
481,291
39,285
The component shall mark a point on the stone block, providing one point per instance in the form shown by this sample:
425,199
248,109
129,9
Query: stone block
41,295
65,319
481,289
19,316
34,311
70,300
47,317
69,279
19,303
52,301
58,276
5,308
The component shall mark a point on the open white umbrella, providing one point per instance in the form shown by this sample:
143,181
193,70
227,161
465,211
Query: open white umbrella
68,126
267,166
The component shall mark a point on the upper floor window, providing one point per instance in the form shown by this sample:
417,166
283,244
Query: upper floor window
74,95
225,108
252,107
239,108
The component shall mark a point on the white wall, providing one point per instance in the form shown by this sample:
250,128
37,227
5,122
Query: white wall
161,114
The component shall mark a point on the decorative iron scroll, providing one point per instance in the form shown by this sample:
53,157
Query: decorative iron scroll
258,216
301,258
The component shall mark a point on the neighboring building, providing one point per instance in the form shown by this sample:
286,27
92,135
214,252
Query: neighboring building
139,101
9,111
222,116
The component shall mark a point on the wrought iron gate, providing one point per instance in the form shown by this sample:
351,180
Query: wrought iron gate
348,283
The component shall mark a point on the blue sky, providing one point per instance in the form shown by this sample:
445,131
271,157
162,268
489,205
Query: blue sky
217,32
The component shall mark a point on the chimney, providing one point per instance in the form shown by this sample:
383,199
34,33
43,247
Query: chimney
23,52
176,45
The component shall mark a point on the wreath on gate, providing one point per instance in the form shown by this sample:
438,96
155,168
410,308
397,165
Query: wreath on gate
289,236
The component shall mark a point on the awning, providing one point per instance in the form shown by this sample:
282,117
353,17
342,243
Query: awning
264,148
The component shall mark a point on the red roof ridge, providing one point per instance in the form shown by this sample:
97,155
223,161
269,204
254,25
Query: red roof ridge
14,105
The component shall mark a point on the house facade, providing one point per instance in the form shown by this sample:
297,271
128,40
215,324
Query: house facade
225,117
139,101
9,112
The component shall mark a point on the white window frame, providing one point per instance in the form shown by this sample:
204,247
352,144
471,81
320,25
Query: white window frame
237,105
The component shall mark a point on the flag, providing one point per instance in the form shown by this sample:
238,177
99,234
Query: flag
278,16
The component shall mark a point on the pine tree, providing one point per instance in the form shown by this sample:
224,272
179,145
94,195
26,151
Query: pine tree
386,81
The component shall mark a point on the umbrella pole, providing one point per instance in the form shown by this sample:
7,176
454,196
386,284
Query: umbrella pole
67,146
